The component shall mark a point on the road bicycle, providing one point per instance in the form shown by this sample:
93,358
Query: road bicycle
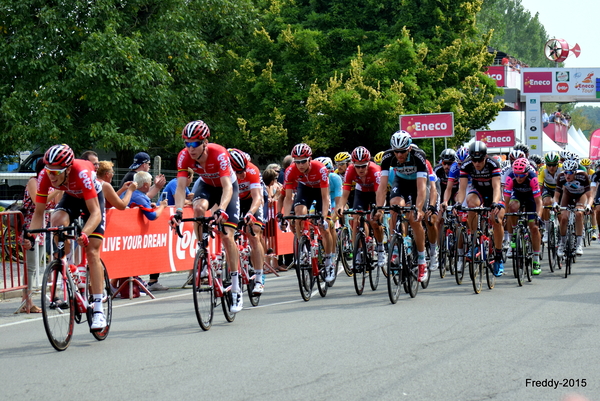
588,231
569,248
402,268
523,251
209,275
310,256
481,250
553,240
365,259
63,303
344,246
447,243
247,275
462,235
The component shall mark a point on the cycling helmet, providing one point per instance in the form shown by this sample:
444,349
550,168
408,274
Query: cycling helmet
515,154
238,160
537,159
400,140
552,157
326,162
505,164
563,154
361,155
301,150
586,162
342,157
462,154
497,158
520,165
478,150
522,147
195,130
570,165
59,155
378,157
448,155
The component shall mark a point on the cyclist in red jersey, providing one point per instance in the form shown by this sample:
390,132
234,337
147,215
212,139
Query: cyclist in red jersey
251,206
217,190
311,180
82,194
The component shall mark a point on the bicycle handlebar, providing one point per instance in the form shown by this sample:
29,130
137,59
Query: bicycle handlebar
204,220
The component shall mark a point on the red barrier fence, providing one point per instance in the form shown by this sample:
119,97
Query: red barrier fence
13,257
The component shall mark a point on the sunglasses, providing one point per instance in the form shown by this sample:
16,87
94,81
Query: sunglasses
569,172
341,164
551,165
520,175
447,163
193,144
55,172
403,151
478,160
301,161
360,166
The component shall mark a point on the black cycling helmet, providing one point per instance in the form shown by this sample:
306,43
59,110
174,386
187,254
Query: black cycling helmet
478,151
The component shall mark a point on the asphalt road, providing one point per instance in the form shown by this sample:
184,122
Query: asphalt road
509,343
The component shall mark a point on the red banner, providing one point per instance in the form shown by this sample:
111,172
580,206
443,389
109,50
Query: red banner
497,73
504,138
435,125
595,145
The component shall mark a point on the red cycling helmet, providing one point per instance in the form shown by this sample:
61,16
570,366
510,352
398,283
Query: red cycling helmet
195,130
238,160
361,155
59,155
520,165
301,150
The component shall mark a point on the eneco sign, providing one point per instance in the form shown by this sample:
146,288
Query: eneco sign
497,138
428,125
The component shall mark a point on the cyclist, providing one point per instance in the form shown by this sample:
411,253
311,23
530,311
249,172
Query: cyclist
595,179
342,161
447,159
311,181
408,188
587,164
217,190
572,189
547,180
82,195
335,193
378,157
251,207
366,175
523,191
485,190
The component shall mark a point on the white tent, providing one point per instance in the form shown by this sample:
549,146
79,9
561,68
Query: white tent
549,144
574,146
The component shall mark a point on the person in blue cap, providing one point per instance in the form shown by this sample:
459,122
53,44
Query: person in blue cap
141,162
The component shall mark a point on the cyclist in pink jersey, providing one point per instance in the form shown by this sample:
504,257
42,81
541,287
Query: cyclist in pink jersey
251,206
82,194
217,191
310,178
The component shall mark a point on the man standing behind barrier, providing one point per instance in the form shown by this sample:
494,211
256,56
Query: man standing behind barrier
141,162
217,190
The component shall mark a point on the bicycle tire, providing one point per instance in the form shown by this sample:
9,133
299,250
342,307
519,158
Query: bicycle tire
359,263
321,283
451,251
227,298
254,298
345,250
304,268
385,242
374,268
458,276
489,262
528,251
569,251
443,253
203,291
106,305
519,257
59,318
551,246
412,272
476,263
395,269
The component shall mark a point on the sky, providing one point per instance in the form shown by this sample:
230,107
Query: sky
575,21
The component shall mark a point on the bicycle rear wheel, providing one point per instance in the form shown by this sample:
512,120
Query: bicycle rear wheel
394,277
321,283
528,258
551,246
386,243
345,249
203,290
569,252
412,272
304,268
374,267
227,299
488,245
460,259
476,264
106,305
519,256
58,306
360,263
254,298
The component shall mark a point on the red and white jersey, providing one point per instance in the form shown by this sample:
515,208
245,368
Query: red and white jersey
81,183
316,176
368,183
217,165
250,181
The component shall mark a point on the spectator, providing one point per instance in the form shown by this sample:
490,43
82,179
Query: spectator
505,61
545,119
287,161
140,199
28,208
91,156
171,187
141,162
104,174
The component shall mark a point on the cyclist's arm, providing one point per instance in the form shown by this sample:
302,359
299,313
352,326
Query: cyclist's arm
325,200
463,182
227,192
539,206
381,191
257,199
497,189
421,192
180,192
93,207
38,217
287,202
433,193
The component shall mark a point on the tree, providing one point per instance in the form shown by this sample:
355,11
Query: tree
122,76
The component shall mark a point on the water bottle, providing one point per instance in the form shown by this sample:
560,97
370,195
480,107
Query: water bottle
408,244
369,245
82,272
312,207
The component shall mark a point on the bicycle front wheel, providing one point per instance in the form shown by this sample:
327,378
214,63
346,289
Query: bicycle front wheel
476,264
304,268
321,283
394,277
551,246
345,250
519,257
58,306
360,263
227,300
528,258
203,290
374,268
106,305
412,271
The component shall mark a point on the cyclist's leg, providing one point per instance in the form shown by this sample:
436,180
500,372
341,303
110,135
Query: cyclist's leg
511,221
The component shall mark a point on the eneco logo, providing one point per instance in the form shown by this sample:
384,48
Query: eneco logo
537,82
562,87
